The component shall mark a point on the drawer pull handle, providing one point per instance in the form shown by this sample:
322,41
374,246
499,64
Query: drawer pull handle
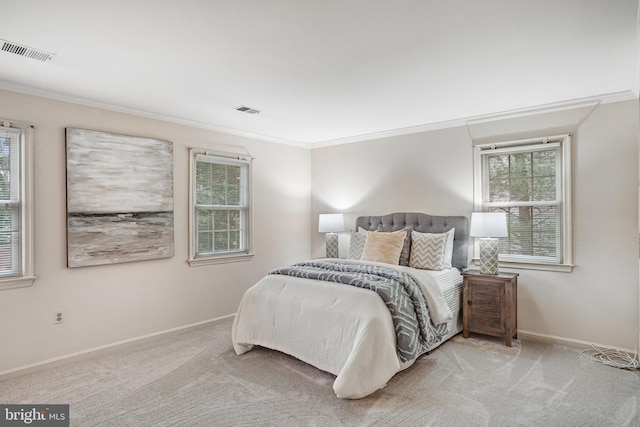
468,302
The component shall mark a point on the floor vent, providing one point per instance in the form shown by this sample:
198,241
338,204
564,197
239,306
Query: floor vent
247,110
26,51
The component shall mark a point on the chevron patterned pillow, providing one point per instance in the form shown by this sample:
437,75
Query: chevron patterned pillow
356,244
427,250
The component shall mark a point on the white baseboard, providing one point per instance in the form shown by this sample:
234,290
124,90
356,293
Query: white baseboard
567,342
84,354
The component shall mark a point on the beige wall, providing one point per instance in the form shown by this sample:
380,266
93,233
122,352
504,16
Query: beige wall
428,172
108,304
432,172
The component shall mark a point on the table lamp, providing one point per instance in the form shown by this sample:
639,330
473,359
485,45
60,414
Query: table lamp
488,226
331,224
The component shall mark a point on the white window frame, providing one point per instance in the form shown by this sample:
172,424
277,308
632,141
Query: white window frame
196,259
563,202
25,276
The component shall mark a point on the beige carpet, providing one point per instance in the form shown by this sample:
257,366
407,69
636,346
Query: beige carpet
194,378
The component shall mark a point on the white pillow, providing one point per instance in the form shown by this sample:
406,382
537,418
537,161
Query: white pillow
448,250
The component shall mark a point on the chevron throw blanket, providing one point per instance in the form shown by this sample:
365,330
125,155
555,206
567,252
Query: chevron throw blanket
412,323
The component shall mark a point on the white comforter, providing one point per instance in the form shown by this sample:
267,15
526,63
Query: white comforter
341,329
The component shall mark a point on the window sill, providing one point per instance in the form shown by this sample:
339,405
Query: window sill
16,282
561,268
223,259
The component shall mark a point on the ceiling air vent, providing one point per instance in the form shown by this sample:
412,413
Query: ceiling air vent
26,51
247,110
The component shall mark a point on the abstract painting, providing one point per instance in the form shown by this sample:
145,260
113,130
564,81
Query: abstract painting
119,198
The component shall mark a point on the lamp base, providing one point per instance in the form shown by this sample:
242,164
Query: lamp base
488,255
332,245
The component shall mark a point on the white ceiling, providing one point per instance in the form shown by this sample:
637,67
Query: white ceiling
322,71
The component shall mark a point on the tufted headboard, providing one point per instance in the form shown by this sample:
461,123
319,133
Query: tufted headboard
424,223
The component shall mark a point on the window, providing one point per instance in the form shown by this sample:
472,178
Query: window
16,216
530,181
220,207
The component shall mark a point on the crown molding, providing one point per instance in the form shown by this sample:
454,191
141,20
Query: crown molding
515,113
56,96
466,121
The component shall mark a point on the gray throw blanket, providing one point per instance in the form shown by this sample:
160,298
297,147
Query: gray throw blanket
415,332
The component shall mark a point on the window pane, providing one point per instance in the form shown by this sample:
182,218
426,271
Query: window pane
234,220
498,170
218,184
233,174
221,221
204,189
205,220
5,254
233,185
533,231
221,241
205,242
520,172
5,167
5,219
205,229
10,259
233,195
219,196
234,240
522,177
544,175
544,188
219,172
499,190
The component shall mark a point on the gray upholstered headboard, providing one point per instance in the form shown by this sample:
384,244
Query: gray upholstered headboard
425,224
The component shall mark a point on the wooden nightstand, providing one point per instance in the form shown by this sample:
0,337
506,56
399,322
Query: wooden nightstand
490,304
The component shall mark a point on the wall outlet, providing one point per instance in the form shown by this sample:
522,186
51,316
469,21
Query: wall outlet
58,318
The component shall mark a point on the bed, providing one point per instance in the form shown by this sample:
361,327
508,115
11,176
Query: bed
358,333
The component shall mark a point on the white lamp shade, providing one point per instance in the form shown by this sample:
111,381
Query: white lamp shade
331,223
488,224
